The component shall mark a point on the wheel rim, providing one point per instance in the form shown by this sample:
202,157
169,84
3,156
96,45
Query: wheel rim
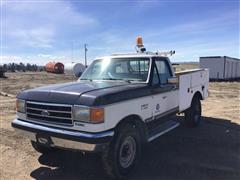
197,112
127,152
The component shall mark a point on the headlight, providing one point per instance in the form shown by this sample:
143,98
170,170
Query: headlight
20,105
93,115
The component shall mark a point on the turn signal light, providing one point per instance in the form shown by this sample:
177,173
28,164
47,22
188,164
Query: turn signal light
97,115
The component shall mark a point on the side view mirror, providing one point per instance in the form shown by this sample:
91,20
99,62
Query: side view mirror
173,80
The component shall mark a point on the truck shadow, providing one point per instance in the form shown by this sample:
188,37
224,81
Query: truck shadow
211,151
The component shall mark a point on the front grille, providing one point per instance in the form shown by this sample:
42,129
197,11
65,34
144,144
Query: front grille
49,113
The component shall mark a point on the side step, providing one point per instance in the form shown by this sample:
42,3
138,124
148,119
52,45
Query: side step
162,129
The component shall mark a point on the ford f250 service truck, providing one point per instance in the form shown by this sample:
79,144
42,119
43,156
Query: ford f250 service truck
119,103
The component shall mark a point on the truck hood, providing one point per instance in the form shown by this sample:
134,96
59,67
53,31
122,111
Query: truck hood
89,93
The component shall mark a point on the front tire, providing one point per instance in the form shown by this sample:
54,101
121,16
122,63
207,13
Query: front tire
193,114
124,152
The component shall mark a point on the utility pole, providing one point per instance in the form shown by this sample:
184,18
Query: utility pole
72,51
85,52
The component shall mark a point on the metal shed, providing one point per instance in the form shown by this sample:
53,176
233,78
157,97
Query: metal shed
221,67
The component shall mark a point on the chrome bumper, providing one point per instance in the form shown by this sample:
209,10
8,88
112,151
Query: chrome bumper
63,138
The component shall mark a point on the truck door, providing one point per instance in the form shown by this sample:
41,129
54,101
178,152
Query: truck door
165,95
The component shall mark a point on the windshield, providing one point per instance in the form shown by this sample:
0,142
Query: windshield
128,69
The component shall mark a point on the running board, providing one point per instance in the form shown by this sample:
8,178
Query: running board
162,129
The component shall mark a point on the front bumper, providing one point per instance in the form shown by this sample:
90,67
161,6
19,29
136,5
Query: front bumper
62,138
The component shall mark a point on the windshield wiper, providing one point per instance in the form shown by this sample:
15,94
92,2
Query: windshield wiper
112,79
117,79
86,79
132,80
126,80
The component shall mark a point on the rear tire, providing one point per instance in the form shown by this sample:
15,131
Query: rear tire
124,152
193,114
41,148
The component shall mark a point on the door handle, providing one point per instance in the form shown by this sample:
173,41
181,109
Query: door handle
164,97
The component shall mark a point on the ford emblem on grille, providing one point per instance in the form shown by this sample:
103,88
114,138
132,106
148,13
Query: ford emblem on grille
45,113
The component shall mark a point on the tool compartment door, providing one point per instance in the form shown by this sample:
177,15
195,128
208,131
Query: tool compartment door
185,97
189,83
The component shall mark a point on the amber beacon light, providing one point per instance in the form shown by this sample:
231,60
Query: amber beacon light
140,46
139,42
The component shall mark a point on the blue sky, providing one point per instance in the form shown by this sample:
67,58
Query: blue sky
43,30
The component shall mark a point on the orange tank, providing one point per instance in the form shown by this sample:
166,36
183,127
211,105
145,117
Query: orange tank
55,67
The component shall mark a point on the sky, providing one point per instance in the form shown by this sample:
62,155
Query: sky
48,30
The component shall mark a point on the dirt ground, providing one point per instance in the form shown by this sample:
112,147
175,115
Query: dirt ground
209,152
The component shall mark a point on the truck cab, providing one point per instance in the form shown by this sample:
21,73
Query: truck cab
118,104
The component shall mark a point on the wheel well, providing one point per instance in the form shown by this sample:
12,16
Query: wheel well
136,121
199,95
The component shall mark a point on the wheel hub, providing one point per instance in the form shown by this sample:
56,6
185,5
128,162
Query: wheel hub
127,152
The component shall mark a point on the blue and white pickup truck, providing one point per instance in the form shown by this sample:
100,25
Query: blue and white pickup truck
119,103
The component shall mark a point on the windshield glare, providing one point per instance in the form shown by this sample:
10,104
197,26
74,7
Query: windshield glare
129,69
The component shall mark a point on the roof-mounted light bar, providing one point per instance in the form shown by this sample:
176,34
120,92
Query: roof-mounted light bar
141,49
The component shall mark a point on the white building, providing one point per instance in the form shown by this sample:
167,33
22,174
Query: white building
221,67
